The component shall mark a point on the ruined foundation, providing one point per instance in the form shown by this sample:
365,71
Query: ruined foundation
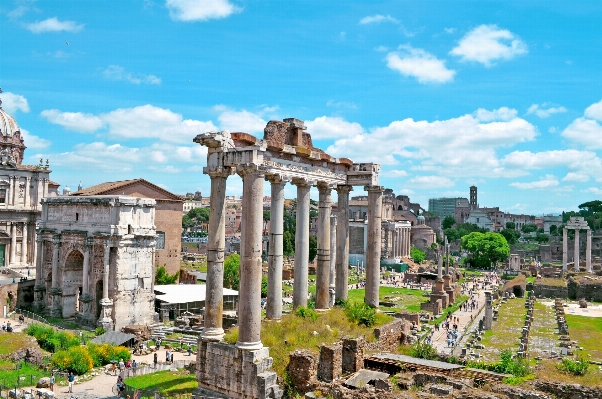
224,371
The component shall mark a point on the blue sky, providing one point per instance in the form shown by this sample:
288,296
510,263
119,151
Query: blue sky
444,94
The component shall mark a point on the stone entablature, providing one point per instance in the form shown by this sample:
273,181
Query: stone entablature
96,259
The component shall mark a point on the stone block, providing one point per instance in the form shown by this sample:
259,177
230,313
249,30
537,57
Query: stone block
302,368
330,364
353,355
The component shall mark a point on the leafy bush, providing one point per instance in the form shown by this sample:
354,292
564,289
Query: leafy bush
508,364
76,359
424,350
164,278
51,340
306,313
579,366
361,314
99,331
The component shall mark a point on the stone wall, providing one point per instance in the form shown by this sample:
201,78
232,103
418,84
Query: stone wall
591,290
356,240
353,354
390,336
330,364
516,286
168,219
21,290
302,370
568,391
550,289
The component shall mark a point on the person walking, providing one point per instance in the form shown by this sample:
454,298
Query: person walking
71,379
134,366
52,379
155,360
189,350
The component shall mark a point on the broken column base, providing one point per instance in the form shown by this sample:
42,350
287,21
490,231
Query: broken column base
225,371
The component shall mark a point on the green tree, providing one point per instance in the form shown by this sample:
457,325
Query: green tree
417,254
591,207
288,243
163,278
313,248
511,235
511,225
266,215
542,237
264,286
195,217
486,248
448,222
529,228
232,271
452,234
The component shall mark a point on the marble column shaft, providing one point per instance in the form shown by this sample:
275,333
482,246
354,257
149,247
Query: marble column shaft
105,274
39,260
275,250
588,252
342,255
13,243
86,271
374,245
249,305
323,255
300,287
24,245
55,261
576,253
216,242
333,257
565,248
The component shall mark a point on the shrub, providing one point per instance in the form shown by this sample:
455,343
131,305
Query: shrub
579,366
306,313
76,359
51,340
99,331
361,314
423,350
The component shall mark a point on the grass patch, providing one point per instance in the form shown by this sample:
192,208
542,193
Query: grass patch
295,332
9,343
27,375
552,282
543,337
547,370
400,298
166,382
588,333
506,330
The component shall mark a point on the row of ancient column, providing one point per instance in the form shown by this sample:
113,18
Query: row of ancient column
13,260
249,310
401,242
12,197
588,250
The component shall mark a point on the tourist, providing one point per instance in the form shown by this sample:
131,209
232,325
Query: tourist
121,365
52,379
3,326
134,365
155,360
189,350
167,357
71,379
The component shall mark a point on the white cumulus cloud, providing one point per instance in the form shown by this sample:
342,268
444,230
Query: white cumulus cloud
549,181
594,111
54,25
419,64
377,19
575,177
487,44
431,181
12,102
200,10
328,127
240,121
76,121
545,110
586,132
116,72
34,142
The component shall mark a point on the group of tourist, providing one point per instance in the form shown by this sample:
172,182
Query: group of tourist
7,327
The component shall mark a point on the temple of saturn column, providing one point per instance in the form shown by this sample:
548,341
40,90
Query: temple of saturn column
577,223
284,155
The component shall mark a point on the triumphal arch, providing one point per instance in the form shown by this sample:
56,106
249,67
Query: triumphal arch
284,155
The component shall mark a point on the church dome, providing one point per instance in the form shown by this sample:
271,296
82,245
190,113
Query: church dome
11,141
8,124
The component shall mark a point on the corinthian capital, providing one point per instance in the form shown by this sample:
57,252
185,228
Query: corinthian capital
248,169
218,171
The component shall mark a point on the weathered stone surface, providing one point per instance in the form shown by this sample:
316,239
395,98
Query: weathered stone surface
43,382
390,336
567,391
353,355
330,364
32,355
302,368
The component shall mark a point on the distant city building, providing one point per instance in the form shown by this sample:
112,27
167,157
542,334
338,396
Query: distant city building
443,207
474,203
551,220
191,204
480,218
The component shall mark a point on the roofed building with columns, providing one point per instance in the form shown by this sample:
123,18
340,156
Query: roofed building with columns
22,187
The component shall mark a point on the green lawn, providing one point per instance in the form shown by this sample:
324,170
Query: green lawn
9,374
169,383
401,298
587,331
543,337
506,330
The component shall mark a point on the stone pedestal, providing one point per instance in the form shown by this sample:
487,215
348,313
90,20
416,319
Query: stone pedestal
449,289
38,303
224,371
488,319
105,320
85,316
57,297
